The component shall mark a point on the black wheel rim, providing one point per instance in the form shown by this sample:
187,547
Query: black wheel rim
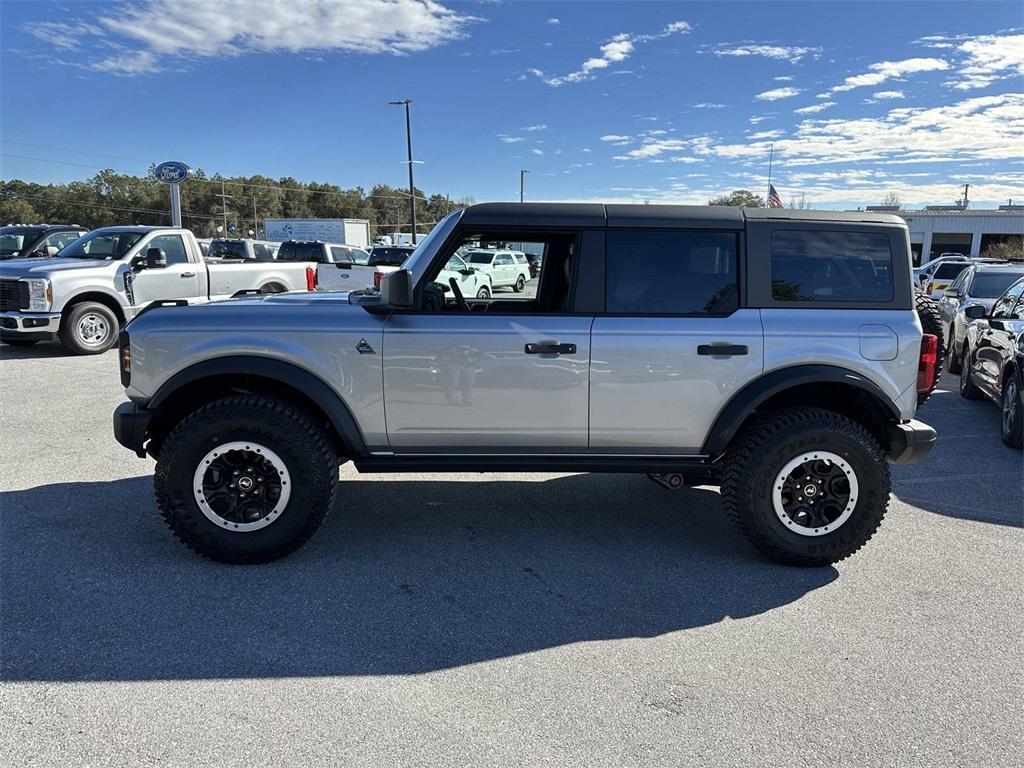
241,486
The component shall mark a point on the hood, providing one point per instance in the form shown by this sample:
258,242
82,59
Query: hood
986,303
45,267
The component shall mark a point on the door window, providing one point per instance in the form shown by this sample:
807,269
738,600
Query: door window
172,246
679,273
61,239
341,255
1002,308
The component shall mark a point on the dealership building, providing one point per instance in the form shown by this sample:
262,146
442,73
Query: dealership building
954,229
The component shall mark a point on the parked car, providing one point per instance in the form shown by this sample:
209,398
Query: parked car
21,241
943,276
534,260
243,249
992,365
642,351
471,281
101,281
389,255
507,269
981,283
339,267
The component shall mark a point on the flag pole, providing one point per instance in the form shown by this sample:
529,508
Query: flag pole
771,152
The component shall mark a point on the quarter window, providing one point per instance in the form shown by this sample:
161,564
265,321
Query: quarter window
815,265
683,273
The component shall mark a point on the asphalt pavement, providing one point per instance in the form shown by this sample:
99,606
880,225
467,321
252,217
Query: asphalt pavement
498,620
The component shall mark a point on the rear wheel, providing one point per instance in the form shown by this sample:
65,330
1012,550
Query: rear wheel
246,479
931,322
1013,412
968,389
806,486
89,328
273,288
520,285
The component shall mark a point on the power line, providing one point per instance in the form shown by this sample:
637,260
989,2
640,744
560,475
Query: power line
74,151
56,201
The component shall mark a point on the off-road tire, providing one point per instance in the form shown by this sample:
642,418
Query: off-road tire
520,285
1012,413
70,322
952,356
931,322
291,432
968,389
484,292
761,450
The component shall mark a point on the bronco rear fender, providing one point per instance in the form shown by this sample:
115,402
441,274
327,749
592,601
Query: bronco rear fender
748,399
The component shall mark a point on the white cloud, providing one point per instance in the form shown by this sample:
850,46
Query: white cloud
765,135
791,53
778,93
983,128
888,95
586,149
532,128
881,71
820,107
511,139
537,151
755,119
990,58
616,50
553,21
708,105
784,78
616,139
148,36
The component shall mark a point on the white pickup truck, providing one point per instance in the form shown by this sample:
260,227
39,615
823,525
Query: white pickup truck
351,269
95,285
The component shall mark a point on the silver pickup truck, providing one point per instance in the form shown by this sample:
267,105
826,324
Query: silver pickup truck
778,354
101,281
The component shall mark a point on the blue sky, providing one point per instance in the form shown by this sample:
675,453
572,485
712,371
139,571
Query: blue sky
614,101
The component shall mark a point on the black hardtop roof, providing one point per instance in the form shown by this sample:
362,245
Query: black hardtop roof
625,215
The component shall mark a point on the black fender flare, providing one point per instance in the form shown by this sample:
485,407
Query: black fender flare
309,384
746,401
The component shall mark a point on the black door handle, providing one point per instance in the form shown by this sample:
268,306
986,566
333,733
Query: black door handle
549,348
722,349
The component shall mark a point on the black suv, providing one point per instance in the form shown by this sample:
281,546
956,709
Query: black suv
21,241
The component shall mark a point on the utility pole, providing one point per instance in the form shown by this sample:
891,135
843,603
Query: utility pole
522,175
408,141
966,187
771,153
224,206
255,219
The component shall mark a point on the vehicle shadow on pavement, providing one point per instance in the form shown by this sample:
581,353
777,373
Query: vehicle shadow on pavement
952,480
42,350
406,576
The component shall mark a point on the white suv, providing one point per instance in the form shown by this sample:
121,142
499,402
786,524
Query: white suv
505,268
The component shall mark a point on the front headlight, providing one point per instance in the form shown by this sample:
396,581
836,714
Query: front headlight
40,295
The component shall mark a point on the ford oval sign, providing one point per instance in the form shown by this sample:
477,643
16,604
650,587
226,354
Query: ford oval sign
172,172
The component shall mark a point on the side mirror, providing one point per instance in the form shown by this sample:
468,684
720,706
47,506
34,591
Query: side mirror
467,271
396,289
154,258
951,293
975,312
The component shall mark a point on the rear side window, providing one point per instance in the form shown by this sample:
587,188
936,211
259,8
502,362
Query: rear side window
950,270
816,265
684,273
300,252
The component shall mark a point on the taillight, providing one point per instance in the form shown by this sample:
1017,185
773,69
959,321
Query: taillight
927,362
377,277
311,280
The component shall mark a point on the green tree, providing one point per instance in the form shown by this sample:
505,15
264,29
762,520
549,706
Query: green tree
1011,249
739,197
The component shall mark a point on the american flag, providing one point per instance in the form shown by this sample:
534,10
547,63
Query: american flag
774,201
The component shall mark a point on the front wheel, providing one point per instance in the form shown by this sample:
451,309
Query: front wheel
1013,413
968,389
806,486
520,285
484,292
246,479
89,328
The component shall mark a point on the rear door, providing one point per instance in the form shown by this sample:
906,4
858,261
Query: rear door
998,339
673,344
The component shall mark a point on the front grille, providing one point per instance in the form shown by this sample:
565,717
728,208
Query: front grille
13,295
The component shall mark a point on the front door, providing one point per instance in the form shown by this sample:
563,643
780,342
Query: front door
178,280
673,346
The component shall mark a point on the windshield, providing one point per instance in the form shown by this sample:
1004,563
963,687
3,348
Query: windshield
13,239
388,257
950,270
990,285
101,245
227,249
479,257
419,261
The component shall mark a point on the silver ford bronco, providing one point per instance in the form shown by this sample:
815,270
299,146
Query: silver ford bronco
778,354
